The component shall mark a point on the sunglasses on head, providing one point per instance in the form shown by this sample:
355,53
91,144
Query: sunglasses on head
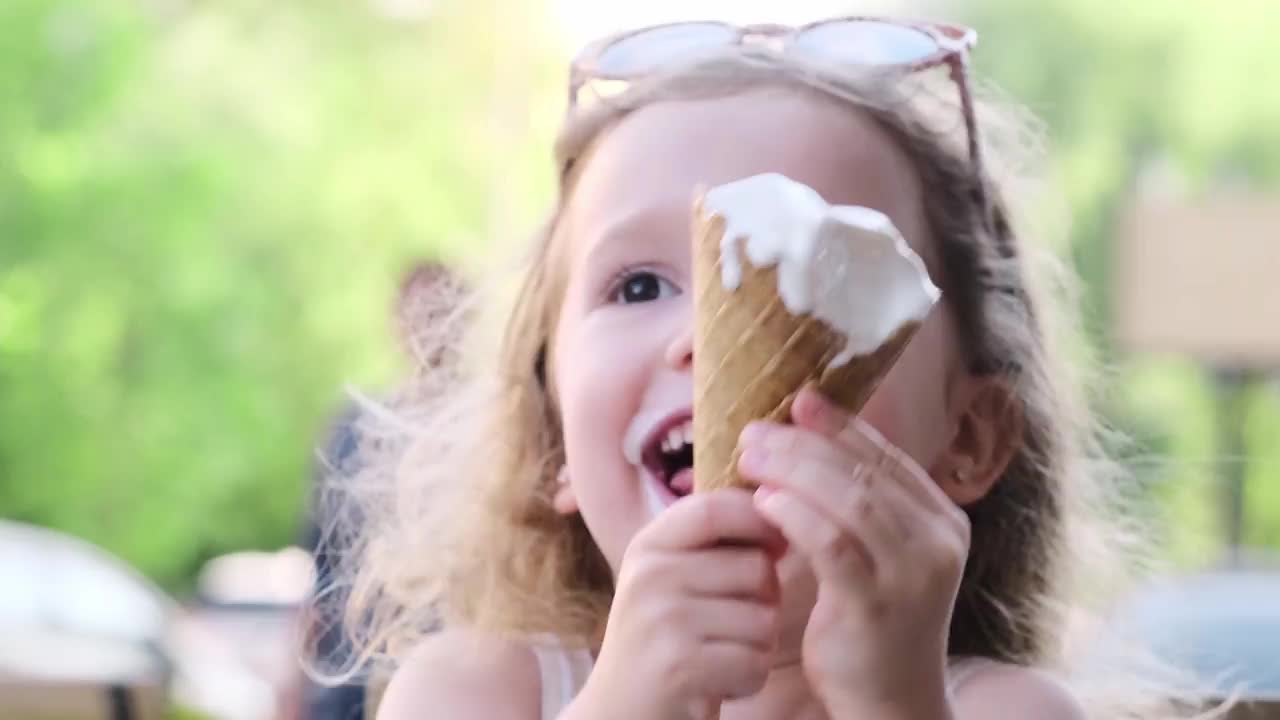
610,64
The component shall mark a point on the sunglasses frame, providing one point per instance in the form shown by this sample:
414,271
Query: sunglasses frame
954,43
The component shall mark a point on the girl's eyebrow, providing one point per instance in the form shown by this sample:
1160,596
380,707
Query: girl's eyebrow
615,235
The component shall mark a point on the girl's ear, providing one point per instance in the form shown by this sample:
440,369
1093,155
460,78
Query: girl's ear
988,435
564,501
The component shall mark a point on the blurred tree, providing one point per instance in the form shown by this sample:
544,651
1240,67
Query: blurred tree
1124,88
203,208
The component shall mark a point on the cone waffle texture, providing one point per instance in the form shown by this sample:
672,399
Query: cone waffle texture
751,357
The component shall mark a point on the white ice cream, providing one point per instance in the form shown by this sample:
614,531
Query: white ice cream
847,265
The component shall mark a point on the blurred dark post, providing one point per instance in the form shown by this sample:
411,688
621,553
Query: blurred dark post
1233,386
1197,277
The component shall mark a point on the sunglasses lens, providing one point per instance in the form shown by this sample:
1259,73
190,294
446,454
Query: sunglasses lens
866,42
646,51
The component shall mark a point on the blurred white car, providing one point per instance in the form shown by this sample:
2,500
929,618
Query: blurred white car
83,632
87,636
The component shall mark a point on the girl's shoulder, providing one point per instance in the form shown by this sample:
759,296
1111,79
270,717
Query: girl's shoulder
983,689
454,673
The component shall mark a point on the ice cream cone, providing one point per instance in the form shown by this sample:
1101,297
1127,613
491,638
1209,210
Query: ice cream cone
752,355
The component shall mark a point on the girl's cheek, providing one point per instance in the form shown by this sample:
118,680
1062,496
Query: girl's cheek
905,417
884,415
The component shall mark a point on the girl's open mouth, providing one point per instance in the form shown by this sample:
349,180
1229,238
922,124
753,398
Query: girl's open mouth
668,455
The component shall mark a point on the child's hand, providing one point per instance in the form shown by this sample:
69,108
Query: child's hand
694,619
888,549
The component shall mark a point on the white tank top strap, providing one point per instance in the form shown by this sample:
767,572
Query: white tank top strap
563,672
961,669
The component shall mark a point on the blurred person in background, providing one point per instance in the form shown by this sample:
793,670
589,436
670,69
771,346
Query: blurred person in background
423,304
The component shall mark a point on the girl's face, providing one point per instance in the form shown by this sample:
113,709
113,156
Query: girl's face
623,345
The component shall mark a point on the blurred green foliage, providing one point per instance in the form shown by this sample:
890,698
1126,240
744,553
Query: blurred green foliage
203,211
204,208
1124,87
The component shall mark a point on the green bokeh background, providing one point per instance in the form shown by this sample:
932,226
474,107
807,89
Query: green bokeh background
205,208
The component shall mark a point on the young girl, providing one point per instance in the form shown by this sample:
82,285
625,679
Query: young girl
907,563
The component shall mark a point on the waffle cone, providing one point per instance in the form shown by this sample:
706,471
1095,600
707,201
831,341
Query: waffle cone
752,356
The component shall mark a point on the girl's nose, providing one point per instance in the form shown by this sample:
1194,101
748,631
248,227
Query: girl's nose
679,353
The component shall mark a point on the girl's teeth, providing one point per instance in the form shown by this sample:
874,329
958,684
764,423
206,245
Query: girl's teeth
677,438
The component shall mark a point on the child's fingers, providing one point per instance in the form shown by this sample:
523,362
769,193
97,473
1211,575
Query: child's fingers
910,477
833,551
827,475
807,464
887,517
744,572
881,514
814,411
907,541
915,547
729,620
848,471
727,670
704,520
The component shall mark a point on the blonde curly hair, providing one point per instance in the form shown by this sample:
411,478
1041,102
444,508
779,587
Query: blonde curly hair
455,494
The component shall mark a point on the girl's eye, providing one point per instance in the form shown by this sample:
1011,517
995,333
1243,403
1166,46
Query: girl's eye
640,286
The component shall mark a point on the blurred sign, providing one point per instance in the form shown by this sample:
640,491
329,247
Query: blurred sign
1200,277
40,700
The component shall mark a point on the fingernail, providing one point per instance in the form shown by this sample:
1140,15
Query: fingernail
768,500
819,408
754,459
752,434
